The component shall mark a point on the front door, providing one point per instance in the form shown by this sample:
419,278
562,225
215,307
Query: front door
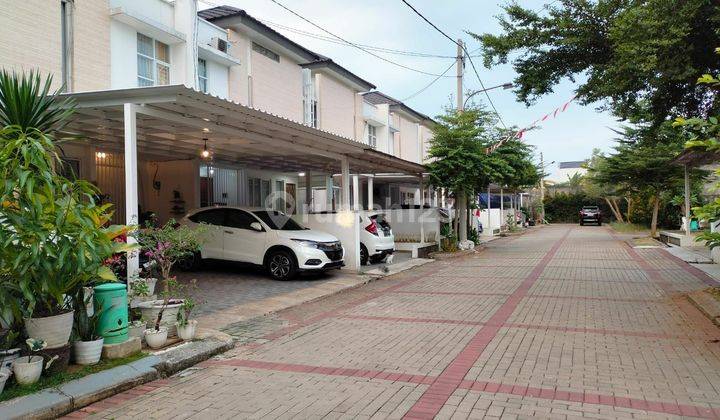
243,243
290,202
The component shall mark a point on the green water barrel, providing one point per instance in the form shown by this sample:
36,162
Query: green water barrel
112,299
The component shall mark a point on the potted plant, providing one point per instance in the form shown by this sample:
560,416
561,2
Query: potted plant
54,236
186,327
166,246
88,344
9,349
4,376
139,291
27,369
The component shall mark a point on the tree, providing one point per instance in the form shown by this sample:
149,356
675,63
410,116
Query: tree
457,153
628,53
642,164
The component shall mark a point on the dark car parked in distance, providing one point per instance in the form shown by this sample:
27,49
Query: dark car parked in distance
590,214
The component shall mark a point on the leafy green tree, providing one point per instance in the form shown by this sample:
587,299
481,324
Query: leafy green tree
630,54
642,164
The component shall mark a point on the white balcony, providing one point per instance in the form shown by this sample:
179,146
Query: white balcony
371,114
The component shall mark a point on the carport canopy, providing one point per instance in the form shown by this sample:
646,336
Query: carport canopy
174,122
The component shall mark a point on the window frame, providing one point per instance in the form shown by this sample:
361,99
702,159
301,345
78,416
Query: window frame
267,52
154,60
371,135
202,78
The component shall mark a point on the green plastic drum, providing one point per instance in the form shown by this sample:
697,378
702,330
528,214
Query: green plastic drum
112,300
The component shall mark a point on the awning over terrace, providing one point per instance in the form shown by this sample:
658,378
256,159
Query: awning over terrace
172,122
693,158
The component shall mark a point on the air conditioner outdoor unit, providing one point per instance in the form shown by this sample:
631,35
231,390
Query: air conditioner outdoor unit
220,44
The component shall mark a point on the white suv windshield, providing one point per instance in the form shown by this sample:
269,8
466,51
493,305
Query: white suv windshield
278,221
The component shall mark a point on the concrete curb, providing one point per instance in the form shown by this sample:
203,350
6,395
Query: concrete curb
707,304
70,396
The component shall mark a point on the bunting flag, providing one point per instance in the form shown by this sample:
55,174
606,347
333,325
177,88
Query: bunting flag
520,133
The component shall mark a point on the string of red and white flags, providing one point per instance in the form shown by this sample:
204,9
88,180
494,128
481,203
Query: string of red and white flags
519,134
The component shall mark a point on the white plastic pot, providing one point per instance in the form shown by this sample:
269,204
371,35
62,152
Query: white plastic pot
187,332
156,339
7,357
150,310
88,352
27,369
54,330
4,375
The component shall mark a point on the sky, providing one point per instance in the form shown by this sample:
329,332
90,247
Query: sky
391,24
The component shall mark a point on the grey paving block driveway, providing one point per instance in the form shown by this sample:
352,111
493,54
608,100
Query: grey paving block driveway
563,322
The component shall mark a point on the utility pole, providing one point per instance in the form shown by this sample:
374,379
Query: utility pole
542,188
461,198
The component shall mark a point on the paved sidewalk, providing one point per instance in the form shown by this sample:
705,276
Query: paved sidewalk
563,322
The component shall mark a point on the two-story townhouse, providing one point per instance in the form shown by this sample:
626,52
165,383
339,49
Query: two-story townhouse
181,108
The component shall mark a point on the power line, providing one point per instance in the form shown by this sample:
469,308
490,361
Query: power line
462,46
429,84
355,45
367,46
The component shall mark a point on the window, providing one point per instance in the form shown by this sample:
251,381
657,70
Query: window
310,114
266,52
202,75
258,191
278,221
371,135
214,217
153,62
391,143
66,40
239,219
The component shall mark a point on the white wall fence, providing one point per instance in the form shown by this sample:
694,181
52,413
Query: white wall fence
492,223
414,225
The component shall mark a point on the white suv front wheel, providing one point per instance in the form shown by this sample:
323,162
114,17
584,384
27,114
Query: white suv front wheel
281,265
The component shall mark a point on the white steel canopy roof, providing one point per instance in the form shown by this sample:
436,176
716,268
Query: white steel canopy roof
173,121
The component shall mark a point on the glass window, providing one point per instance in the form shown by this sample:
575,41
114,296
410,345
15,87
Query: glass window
202,75
153,58
372,135
239,219
277,220
214,217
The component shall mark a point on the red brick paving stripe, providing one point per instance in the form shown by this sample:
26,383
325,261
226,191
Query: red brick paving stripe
455,372
530,295
444,385
698,273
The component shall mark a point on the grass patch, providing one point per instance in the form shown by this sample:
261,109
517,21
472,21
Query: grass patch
74,372
629,227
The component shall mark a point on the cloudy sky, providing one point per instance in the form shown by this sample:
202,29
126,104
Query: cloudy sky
390,24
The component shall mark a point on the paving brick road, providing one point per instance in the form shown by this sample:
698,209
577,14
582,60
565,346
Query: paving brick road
563,322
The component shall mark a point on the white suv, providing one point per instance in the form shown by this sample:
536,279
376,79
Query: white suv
265,237
376,238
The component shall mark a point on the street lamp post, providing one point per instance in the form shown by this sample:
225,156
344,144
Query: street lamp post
504,86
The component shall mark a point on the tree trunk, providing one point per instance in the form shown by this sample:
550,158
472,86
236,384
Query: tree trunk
617,214
656,209
462,210
629,209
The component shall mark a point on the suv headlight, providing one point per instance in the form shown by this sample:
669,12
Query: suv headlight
306,243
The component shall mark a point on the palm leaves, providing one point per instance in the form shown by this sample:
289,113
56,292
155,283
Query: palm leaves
28,103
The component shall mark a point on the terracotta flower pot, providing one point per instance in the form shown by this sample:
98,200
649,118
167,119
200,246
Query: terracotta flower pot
54,330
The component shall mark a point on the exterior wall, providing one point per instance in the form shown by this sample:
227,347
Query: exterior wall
217,75
238,76
31,39
410,145
337,106
123,53
277,87
426,136
91,45
177,175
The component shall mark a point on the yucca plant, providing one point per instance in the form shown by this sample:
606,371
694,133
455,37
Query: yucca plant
53,238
